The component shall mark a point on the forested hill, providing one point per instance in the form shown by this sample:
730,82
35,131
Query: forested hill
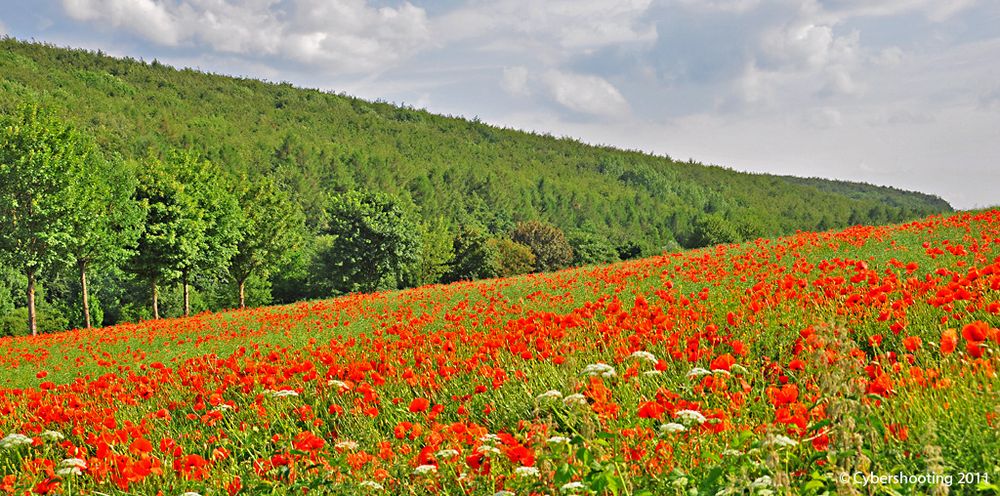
460,170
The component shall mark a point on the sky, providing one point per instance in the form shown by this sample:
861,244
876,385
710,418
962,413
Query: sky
903,93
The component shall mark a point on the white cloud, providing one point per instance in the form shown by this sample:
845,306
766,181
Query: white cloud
342,35
560,25
935,10
145,18
586,94
515,81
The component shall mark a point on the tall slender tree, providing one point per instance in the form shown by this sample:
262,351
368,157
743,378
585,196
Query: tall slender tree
172,218
209,248
39,157
106,220
271,228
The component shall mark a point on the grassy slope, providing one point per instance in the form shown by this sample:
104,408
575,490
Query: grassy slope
762,298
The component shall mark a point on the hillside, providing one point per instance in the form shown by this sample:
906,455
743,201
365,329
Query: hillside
465,171
789,366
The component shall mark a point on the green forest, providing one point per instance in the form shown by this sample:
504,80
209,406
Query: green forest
171,191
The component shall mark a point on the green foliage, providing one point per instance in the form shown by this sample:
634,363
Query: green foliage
474,258
214,216
435,252
513,258
39,158
372,241
590,248
549,244
271,229
49,320
713,229
315,143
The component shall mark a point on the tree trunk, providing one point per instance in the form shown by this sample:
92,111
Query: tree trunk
86,297
32,318
243,303
156,297
187,294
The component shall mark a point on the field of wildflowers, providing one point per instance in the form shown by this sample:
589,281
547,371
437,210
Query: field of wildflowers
855,362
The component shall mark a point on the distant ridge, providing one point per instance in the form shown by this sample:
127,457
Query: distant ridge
463,171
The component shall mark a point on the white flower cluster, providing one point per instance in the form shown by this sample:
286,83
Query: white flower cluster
572,487
346,444
446,453
14,440
692,416
52,436
698,372
601,369
575,399
282,393
672,427
341,385
71,466
371,485
527,472
645,355
425,469
558,440
551,394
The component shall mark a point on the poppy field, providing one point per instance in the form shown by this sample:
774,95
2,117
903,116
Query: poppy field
838,362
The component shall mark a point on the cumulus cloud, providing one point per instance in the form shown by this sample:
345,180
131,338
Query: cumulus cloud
515,81
935,10
567,25
341,35
585,94
145,18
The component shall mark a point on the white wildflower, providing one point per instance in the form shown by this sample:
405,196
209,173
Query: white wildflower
66,471
282,393
52,436
446,453
601,369
652,372
484,449
527,471
14,440
680,482
558,440
190,493
425,469
645,355
782,441
672,427
341,385
738,369
572,486
763,481
575,399
732,452
371,485
549,395
489,438
346,444
698,372
223,407
503,493
722,372
691,416
73,462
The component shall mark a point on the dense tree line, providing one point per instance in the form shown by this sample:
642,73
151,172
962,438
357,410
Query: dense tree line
180,221
207,192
